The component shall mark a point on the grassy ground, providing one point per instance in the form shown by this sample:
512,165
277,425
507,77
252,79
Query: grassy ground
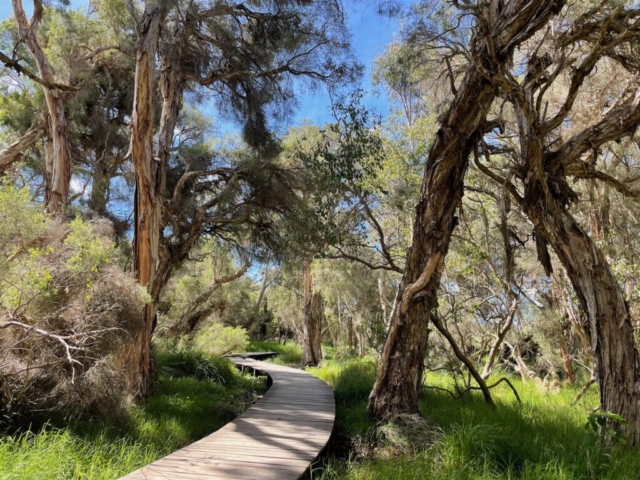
544,438
195,396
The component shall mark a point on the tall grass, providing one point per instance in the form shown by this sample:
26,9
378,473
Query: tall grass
289,353
544,438
195,396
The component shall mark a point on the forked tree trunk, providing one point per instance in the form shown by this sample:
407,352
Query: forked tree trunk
313,316
611,330
148,201
57,190
401,365
14,152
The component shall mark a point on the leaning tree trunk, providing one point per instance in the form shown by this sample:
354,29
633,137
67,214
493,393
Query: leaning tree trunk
401,364
313,316
611,330
58,187
148,201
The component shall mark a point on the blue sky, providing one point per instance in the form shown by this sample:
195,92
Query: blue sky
371,33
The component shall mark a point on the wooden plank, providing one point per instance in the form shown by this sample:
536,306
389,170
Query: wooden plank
276,439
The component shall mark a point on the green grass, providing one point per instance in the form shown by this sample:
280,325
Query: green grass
288,353
544,438
195,396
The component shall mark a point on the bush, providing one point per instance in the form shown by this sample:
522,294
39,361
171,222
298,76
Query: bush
67,314
217,340
193,363
289,353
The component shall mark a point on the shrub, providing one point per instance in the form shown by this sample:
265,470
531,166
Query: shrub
67,316
217,340
289,353
183,362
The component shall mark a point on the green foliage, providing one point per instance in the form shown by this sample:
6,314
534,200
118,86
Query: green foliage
22,220
216,339
289,353
90,251
181,362
58,277
351,381
600,426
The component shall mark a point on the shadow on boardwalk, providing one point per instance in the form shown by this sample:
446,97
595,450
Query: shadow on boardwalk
276,439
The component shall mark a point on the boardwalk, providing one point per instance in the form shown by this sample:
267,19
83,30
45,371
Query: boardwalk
276,439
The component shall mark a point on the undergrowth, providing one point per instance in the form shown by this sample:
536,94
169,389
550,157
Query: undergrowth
195,395
544,438
288,353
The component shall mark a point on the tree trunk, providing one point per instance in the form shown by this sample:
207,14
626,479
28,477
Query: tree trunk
313,316
401,364
148,201
58,188
100,182
567,362
265,284
611,331
14,152
384,302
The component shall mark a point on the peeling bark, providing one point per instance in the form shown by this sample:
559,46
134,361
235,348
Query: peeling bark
57,190
313,318
148,201
612,335
401,365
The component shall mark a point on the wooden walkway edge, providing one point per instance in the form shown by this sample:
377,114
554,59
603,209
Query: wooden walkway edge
276,439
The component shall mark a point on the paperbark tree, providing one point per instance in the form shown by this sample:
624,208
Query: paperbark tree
503,28
247,57
313,319
545,165
59,178
148,200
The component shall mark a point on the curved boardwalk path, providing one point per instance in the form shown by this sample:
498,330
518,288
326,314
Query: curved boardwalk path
276,439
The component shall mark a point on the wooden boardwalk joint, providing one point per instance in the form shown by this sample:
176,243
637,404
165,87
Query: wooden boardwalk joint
276,439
